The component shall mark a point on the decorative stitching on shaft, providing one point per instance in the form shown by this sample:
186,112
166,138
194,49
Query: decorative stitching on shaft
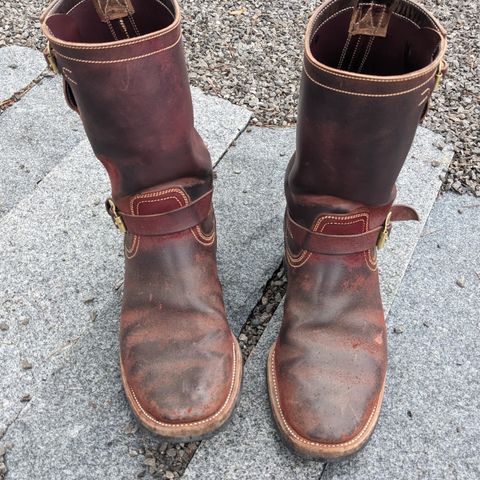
120,60
374,95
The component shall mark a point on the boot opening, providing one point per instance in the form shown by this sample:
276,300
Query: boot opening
83,21
411,43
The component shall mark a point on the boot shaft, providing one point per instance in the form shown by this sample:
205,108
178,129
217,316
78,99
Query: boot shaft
369,71
127,78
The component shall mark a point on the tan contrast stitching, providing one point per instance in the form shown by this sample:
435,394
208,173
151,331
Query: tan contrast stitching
327,19
372,38
299,260
157,200
65,72
375,80
424,12
375,95
359,39
302,439
198,422
362,217
166,8
426,96
295,261
386,80
132,251
73,8
158,194
120,60
206,240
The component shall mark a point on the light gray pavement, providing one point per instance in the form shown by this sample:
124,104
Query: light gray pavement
249,207
250,448
36,133
18,67
219,122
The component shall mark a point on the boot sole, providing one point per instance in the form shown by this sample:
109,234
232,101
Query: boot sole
196,430
305,447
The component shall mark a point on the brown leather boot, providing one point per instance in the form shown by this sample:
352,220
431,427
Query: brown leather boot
369,71
124,71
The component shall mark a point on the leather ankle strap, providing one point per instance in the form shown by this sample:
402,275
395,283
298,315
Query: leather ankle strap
329,244
165,223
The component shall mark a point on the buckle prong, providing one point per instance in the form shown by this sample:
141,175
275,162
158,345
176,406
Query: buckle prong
439,74
52,63
385,233
117,219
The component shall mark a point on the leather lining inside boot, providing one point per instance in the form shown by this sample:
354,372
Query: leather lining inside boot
78,21
411,43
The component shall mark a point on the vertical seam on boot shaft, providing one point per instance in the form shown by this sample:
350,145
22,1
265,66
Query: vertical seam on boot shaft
132,251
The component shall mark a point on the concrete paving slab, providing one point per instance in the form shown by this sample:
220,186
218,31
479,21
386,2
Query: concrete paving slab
60,261
36,133
67,436
218,121
19,67
79,426
251,448
249,208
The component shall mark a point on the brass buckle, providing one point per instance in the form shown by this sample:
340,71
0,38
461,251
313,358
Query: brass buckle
52,63
385,233
439,75
117,219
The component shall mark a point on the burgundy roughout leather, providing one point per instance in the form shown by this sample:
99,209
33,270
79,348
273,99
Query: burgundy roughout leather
124,71
362,97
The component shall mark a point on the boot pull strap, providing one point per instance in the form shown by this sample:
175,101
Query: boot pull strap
329,244
165,223
109,10
371,18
